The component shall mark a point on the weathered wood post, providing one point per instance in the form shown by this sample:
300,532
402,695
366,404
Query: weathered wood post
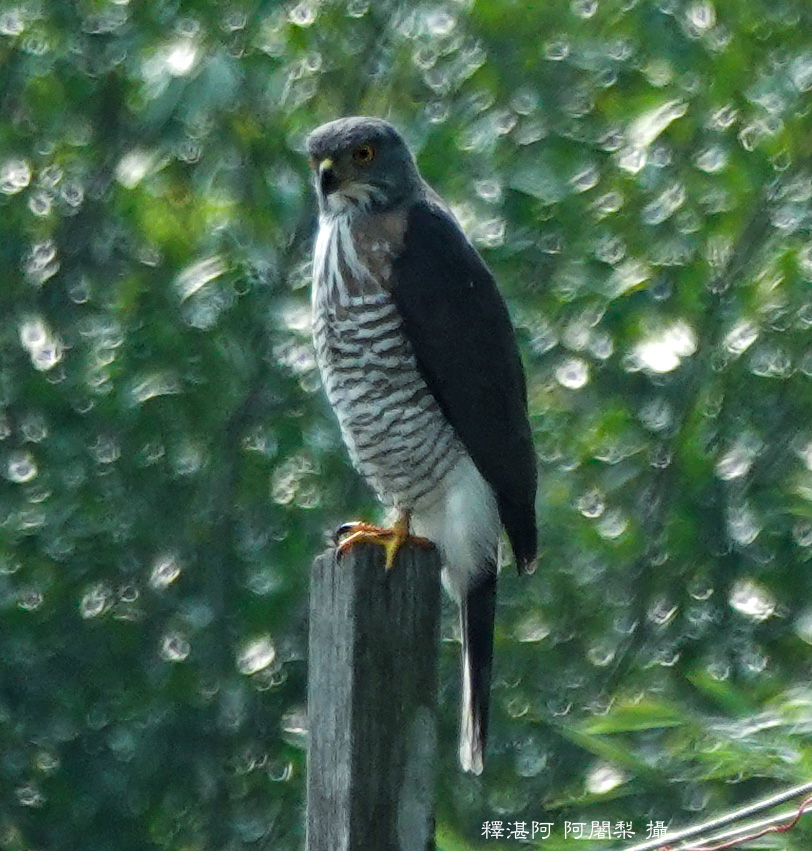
372,701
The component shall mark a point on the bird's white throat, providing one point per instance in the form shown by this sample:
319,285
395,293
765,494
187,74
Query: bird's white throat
335,255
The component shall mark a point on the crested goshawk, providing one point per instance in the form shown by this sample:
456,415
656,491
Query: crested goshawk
420,363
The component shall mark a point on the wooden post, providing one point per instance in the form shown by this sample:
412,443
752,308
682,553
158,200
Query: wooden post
372,701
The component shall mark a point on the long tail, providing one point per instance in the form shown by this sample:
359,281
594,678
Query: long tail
477,611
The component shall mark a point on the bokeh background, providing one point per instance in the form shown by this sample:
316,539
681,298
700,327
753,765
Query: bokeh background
638,176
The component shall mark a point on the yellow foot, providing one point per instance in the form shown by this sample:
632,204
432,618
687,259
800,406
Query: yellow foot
390,539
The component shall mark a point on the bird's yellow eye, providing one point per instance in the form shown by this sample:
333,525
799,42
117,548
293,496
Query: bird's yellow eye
363,154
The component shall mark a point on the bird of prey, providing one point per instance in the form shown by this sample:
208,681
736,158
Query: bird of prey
420,364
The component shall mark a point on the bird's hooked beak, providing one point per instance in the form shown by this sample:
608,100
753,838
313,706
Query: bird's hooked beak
328,180
340,191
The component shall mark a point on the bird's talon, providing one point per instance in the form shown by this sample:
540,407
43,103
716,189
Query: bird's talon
391,548
390,539
344,529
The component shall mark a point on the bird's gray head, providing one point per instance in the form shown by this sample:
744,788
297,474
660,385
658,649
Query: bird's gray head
361,163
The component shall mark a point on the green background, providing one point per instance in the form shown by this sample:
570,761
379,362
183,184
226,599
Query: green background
637,175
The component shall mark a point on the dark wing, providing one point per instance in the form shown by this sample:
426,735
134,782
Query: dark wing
459,328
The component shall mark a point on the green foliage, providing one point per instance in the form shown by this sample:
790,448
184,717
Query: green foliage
637,175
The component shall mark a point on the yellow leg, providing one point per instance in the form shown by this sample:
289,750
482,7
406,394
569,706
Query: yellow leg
390,539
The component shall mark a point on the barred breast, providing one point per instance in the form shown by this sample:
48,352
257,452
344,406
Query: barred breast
395,432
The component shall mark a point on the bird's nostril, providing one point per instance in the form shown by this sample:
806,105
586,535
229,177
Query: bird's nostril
328,181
